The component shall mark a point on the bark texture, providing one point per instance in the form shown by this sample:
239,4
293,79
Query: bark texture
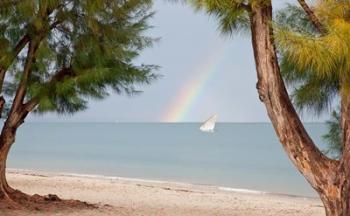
330,178
341,206
6,141
10,196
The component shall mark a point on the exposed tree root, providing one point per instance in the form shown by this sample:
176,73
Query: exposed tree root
17,200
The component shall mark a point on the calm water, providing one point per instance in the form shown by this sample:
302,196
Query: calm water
239,155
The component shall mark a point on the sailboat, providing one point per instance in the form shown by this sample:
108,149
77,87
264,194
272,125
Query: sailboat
209,125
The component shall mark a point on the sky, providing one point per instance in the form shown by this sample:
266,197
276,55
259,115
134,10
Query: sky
202,72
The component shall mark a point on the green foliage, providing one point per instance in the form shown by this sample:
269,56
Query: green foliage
325,56
311,66
294,19
310,92
231,14
334,136
85,49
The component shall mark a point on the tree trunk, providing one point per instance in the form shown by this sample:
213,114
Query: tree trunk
336,202
325,175
340,203
335,206
12,197
7,138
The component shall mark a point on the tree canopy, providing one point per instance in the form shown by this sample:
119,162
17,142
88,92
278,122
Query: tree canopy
57,54
310,90
320,61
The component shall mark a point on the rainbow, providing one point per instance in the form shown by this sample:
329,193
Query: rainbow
180,106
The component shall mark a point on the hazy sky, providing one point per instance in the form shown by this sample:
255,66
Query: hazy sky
203,73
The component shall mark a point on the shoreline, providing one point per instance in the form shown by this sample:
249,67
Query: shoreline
30,172
129,197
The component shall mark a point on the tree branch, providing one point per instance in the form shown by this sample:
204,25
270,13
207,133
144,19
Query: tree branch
313,18
17,49
13,55
21,90
16,117
19,110
62,74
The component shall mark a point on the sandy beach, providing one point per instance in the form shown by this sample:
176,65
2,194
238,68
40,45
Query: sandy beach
121,196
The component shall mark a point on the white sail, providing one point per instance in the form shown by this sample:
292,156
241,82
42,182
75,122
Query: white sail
209,125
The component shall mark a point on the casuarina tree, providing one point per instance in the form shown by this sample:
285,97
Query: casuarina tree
325,53
56,55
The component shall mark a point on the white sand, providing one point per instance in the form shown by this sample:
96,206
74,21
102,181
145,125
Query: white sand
118,196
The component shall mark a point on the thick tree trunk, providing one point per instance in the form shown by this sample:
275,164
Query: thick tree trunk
8,196
340,205
326,176
11,197
337,206
7,138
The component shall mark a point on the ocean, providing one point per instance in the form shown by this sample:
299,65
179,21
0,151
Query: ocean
237,155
